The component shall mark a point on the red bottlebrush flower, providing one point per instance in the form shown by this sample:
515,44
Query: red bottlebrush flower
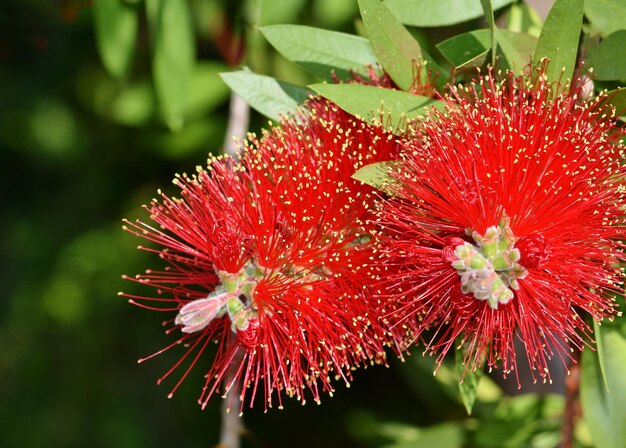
505,221
266,259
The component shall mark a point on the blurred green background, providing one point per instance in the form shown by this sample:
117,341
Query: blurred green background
81,149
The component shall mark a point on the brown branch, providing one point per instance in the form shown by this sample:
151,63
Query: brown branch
572,401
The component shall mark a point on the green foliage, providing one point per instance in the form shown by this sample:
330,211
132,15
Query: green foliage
83,148
522,18
269,96
608,59
376,175
607,16
321,52
468,379
376,104
517,49
428,13
491,25
559,39
398,52
603,405
173,56
617,98
116,25
467,50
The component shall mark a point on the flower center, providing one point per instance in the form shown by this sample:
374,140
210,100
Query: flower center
489,269
233,296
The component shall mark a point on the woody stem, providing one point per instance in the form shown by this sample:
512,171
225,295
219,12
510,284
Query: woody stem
572,401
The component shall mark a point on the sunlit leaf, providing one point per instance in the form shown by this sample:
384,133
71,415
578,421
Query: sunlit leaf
396,49
116,34
517,49
373,104
173,58
376,175
604,411
522,18
607,16
559,39
334,13
468,49
269,96
272,11
322,52
205,89
597,333
427,13
491,24
468,380
608,59
617,98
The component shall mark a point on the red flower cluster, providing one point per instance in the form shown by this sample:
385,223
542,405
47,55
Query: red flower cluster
267,256
506,220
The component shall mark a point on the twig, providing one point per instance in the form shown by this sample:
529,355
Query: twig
232,424
238,121
572,402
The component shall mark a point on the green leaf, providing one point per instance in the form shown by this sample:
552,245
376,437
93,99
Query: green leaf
607,16
272,11
617,98
559,39
469,50
396,49
488,10
134,105
174,56
205,89
116,34
517,49
522,18
468,380
608,59
600,351
267,95
466,50
322,52
377,175
375,104
605,412
430,13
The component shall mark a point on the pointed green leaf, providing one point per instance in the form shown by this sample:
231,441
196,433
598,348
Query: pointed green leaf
522,18
517,49
600,351
116,34
322,52
467,49
491,24
604,411
174,56
427,13
372,103
272,11
617,98
267,95
608,59
468,380
377,175
559,39
607,16
396,49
